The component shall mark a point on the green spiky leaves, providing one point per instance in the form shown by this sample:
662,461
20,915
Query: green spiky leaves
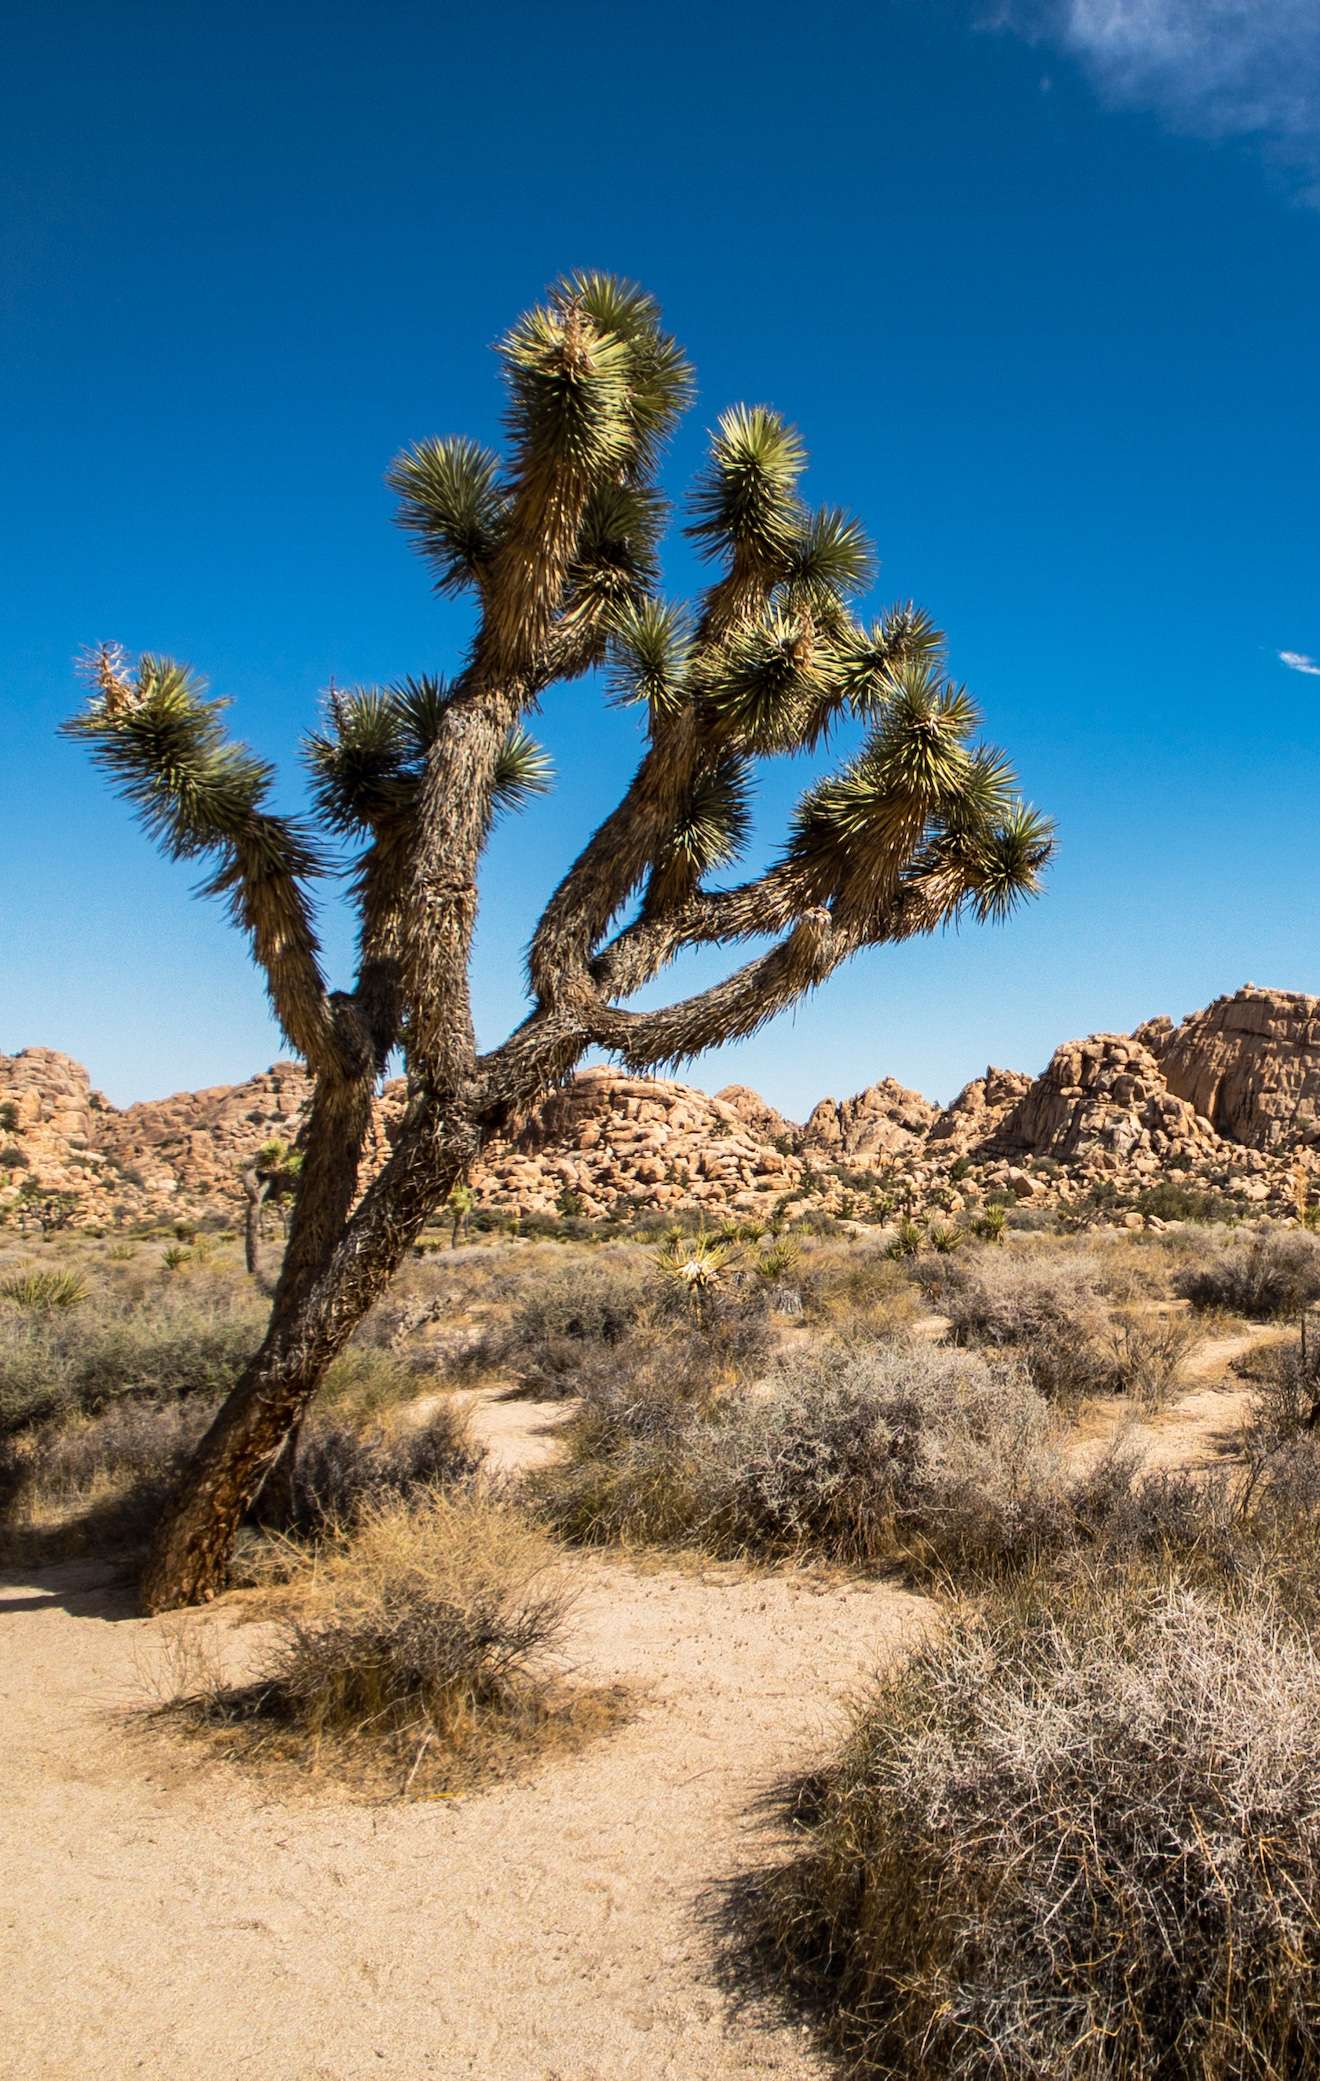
616,562
358,764
765,682
866,660
661,384
164,747
713,825
197,792
368,763
452,504
829,564
1009,860
650,656
594,381
568,394
523,769
745,504
920,800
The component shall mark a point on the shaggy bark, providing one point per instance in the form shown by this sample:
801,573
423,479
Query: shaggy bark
314,1315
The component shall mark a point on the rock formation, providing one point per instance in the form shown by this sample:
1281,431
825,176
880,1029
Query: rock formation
977,1113
608,1138
1229,1100
1250,1064
881,1123
1105,1101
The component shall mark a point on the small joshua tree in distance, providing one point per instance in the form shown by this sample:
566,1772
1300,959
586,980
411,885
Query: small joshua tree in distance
272,1175
556,544
462,1199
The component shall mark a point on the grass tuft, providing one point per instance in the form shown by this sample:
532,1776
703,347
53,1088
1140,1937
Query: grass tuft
424,1655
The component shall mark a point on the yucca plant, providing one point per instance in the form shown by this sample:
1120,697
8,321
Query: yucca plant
458,1205
990,1223
695,1267
41,1293
907,1238
556,545
944,1237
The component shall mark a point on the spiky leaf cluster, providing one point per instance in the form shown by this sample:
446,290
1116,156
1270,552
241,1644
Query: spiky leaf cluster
745,504
368,763
453,505
162,743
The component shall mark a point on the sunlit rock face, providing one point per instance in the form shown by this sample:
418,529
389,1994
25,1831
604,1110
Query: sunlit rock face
1230,1099
1250,1064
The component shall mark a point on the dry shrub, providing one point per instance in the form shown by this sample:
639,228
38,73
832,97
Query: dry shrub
596,1313
1048,1308
1262,1274
583,1306
367,1381
855,1290
425,1654
1075,1838
855,1454
1148,1351
342,1474
150,1342
1285,1406
667,1373
98,1483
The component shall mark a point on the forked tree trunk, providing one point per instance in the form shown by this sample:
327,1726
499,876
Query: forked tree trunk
315,1312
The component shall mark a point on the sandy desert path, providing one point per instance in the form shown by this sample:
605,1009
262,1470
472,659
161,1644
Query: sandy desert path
1201,1424
164,1916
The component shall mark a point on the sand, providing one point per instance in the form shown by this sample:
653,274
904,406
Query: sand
165,1916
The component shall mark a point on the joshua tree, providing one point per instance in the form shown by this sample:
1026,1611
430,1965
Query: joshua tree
272,1175
556,544
462,1199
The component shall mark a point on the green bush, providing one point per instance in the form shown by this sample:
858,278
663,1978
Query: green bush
163,1344
1171,1200
41,1292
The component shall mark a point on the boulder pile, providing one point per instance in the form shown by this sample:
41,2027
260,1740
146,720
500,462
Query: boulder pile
1227,1102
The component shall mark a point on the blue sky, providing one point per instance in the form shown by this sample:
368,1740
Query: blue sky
1040,283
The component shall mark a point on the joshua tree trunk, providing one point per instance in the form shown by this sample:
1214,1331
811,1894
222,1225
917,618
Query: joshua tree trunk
313,1316
254,1192
557,546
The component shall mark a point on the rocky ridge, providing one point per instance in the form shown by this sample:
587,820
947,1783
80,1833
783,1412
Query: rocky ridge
1228,1101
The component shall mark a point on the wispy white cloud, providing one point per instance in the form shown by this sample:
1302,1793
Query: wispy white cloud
1215,68
1298,661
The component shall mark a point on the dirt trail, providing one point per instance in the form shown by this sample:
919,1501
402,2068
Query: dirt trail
516,1433
166,1917
1201,1425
